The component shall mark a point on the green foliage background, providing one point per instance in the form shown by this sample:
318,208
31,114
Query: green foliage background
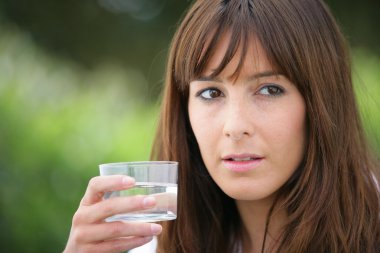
55,129
60,118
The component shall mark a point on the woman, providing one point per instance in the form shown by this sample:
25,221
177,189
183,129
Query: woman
259,110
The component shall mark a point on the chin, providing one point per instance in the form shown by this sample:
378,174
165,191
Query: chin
246,193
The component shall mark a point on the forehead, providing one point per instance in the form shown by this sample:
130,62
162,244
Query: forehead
248,57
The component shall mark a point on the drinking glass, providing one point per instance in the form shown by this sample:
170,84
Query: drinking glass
155,178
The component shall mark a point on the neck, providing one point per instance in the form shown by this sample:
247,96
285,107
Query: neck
254,216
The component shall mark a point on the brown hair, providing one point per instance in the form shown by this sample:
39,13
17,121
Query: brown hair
332,200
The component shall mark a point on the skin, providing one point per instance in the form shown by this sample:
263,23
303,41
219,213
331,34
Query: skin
258,114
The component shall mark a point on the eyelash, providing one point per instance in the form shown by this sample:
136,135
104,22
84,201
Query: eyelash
279,92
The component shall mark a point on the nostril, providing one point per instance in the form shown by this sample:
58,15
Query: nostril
237,135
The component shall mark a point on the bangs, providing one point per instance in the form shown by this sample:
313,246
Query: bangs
200,39
285,34
238,39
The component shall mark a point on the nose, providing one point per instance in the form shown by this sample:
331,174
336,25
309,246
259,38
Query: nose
238,122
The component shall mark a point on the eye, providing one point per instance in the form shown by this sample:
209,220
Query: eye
210,93
271,90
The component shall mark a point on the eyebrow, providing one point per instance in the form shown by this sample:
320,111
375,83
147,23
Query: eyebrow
255,76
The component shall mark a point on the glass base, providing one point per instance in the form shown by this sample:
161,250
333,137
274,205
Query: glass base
143,217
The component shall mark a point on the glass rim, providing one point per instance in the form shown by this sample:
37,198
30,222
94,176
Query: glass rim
138,163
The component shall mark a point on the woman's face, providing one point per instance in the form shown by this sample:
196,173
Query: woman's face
250,130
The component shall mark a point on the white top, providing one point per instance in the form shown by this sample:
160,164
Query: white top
150,247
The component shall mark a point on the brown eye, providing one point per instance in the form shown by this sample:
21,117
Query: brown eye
271,90
210,93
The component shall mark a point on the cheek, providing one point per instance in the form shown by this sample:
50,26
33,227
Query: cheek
297,125
196,122
205,127
291,135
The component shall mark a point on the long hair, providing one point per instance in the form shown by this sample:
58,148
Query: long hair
332,200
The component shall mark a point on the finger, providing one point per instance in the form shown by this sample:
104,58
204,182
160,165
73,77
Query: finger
166,201
112,230
117,245
101,184
117,205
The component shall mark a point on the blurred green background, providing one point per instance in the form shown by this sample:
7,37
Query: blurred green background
79,86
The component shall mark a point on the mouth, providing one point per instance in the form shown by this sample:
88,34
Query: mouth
242,157
242,162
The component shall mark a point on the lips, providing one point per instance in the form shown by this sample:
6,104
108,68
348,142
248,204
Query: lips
242,162
241,157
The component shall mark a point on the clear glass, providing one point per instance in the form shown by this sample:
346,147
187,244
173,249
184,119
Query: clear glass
155,178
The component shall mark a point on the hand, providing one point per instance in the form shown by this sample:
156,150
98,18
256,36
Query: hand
90,233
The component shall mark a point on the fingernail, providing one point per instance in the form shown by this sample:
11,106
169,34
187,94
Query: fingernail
128,181
155,228
149,202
